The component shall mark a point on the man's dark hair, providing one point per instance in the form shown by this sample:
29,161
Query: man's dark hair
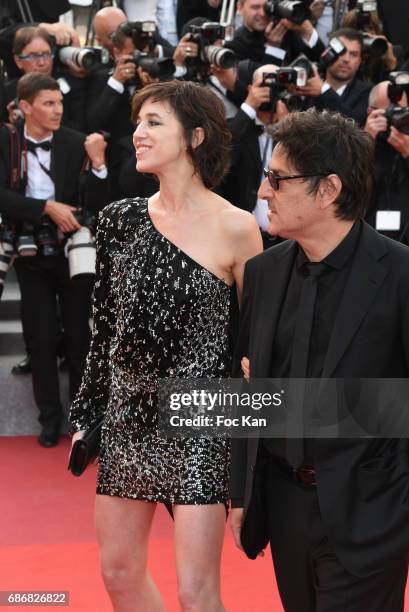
24,36
349,34
30,85
328,143
195,106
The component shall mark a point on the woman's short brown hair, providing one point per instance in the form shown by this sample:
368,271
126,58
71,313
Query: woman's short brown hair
195,106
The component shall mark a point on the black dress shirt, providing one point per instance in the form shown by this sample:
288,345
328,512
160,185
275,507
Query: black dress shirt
331,285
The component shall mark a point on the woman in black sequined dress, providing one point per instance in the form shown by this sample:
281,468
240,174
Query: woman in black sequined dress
162,299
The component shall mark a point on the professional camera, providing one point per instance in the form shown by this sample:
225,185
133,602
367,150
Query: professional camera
335,49
25,242
80,248
161,68
141,33
374,47
47,239
399,83
398,117
89,58
302,61
278,82
364,9
294,11
205,36
6,253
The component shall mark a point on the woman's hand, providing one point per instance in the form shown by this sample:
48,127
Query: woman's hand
245,366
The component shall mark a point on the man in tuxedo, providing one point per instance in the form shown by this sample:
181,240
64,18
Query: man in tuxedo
39,192
330,302
342,90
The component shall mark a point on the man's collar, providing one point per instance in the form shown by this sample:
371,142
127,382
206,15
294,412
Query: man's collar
27,137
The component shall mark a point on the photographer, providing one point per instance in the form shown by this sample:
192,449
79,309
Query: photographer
106,22
265,39
342,90
40,13
252,146
39,193
389,212
34,51
375,66
111,90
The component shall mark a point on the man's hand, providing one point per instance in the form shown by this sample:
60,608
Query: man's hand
313,87
257,94
399,141
95,146
145,77
376,122
305,29
62,215
185,48
14,113
125,69
226,76
275,33
236,521
76,71
64,35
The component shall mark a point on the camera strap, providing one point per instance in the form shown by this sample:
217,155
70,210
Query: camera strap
15,157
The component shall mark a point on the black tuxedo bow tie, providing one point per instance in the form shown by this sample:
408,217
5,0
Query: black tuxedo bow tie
32,146
259,129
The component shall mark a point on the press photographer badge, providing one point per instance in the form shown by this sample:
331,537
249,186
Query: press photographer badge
388,220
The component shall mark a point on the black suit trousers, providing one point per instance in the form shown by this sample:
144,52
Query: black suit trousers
46,292
309,576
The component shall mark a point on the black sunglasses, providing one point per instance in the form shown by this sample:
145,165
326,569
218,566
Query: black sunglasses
274,179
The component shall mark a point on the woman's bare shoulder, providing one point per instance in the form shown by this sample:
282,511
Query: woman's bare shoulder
237,223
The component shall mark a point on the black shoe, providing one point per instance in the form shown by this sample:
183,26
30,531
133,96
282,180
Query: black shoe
23,367
49,436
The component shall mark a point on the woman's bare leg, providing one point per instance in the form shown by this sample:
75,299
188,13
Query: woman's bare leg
199,533
123,527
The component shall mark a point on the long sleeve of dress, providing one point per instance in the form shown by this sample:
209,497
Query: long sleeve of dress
93,395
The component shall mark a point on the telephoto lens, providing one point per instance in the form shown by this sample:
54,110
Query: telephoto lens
81,253
6,253
220,57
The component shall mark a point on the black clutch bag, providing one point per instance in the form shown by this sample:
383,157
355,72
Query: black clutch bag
85,449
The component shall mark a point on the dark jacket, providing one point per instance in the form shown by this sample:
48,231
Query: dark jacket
362,484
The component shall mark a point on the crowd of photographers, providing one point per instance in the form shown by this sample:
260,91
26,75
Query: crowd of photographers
66,139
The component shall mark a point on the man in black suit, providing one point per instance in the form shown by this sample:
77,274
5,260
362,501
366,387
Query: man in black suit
342,90
266,42
39,192
330,302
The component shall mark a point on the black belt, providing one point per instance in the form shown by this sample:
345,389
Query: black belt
305,474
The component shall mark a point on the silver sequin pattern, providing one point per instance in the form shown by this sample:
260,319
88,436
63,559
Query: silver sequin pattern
157,314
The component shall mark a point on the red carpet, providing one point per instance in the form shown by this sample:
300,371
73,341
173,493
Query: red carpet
47,539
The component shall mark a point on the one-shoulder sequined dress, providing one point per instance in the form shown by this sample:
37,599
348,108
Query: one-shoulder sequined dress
157,314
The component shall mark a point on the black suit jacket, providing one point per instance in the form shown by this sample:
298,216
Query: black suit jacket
248,44
67,156
362,484
353,102
241,184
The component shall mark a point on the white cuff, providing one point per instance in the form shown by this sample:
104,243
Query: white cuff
101,174
325,88
313,39
114,84
180,71
249,110
275,51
